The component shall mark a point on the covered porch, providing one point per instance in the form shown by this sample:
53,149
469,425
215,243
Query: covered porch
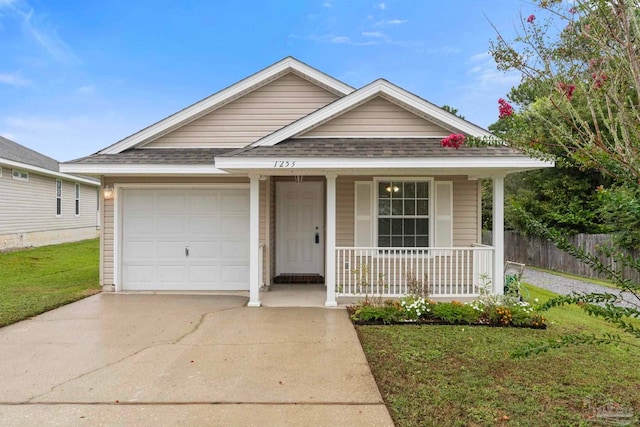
458,272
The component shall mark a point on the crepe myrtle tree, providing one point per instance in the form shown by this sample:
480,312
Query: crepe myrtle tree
579,103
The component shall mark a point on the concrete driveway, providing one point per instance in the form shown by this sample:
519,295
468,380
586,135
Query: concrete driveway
150,360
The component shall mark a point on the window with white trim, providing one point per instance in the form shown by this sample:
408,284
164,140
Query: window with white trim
77,199
58,197
20,175
403,214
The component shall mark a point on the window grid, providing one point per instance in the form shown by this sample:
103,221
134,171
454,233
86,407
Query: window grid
20,175
77,199
403,214
58,197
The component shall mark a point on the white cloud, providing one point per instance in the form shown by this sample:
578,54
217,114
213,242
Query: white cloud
13,79
86,90
375,34
327,4
390,22
36,26
382,6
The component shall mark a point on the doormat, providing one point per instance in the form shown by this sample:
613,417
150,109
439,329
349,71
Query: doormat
299,278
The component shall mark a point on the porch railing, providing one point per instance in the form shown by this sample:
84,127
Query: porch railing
443,272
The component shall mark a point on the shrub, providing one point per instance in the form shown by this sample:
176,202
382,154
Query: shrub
375,313
455,312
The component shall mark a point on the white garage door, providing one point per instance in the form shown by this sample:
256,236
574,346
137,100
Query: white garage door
185,239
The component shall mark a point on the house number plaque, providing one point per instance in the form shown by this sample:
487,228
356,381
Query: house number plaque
284,164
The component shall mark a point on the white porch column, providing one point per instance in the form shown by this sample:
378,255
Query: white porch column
498,234
254,240
330,246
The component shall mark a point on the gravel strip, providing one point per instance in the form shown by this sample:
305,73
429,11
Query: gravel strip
564,285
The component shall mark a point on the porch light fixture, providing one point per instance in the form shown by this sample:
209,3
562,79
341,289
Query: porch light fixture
395,189
298,179
107,193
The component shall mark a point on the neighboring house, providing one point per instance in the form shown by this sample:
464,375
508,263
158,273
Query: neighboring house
39,205
292,174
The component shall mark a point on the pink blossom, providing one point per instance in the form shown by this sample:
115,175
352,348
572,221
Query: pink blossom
573,10
567,89
531,18
504,109
455,140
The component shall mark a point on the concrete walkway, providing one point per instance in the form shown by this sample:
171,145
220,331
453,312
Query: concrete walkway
153,360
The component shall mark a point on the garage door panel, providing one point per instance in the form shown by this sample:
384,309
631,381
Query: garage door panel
166,250
209,225
171,202
234,250
203,203
234,203
199,251
139,225
159,224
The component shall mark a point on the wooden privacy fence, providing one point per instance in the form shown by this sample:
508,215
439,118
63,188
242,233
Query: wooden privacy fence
538,252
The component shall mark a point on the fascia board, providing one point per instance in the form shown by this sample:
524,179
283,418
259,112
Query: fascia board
46,172
373,89
225,94
131,169
381,163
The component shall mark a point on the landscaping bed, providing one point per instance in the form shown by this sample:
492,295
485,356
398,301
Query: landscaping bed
486,310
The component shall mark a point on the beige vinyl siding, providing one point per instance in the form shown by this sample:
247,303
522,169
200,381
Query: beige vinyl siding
250,117
30,206
108,226
377,117
465,209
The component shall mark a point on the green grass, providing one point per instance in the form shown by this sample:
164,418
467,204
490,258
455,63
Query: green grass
464,376
36,280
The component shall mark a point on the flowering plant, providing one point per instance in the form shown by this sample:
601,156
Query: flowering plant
455,140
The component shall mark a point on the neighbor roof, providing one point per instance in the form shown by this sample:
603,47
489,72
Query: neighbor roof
11,150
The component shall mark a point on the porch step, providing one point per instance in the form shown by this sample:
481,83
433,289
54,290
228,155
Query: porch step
299,278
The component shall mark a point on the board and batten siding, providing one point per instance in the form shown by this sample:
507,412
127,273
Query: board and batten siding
465,209
108,226
251,116
377,117
29,207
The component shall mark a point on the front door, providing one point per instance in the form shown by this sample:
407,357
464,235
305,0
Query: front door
300,227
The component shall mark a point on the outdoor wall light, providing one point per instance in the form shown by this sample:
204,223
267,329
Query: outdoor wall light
395,189
107,193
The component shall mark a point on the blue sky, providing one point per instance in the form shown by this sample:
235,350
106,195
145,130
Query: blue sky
77,75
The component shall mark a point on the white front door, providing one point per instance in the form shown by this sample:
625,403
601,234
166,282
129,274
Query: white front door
300,227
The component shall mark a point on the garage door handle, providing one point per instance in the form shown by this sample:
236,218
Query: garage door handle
186,251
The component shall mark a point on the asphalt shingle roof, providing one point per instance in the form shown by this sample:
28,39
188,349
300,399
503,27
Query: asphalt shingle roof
370,148
159,156
11,150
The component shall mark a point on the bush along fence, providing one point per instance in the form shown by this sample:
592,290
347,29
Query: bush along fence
537,252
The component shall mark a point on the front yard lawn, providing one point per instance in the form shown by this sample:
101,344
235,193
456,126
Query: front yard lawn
464,375
36,280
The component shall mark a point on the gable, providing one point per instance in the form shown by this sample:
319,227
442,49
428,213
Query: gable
377,118
251,116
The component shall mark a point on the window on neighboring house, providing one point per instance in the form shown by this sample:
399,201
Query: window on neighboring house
20,175
403,214
58,197
77,199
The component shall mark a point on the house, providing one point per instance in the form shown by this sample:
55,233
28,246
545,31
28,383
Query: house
39,205
291,173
